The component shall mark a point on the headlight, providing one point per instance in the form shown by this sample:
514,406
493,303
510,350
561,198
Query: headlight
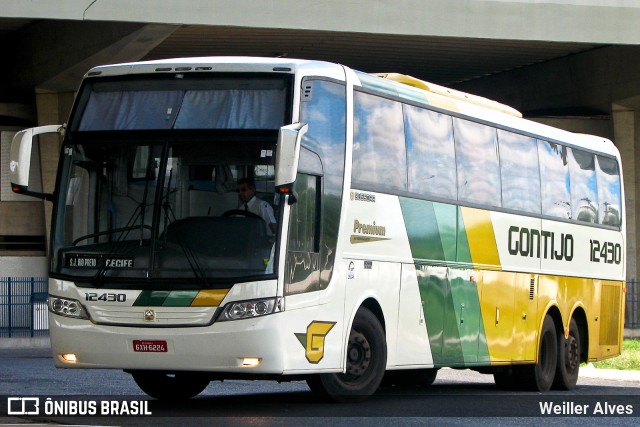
248,309
67,307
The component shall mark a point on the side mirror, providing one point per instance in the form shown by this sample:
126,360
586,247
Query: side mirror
288,154
20,159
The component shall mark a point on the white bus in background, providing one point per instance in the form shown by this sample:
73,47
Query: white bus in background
418,228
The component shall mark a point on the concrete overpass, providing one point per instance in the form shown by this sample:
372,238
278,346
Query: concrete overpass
572,63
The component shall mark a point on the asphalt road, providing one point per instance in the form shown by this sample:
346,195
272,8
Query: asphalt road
458,397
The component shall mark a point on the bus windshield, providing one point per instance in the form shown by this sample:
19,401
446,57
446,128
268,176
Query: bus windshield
148,182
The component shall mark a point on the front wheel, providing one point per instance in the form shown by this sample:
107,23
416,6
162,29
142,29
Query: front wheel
164,386
366,363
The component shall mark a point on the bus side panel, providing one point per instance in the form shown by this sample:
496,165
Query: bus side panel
466,313
412,346
314,335
376,250
508,315
509,308
448,292
381,282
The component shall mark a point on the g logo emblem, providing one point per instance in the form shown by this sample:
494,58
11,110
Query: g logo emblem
313,340
149,315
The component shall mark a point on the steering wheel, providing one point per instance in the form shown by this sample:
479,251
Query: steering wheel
240,212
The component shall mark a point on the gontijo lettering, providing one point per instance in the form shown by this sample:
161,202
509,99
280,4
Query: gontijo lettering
540,244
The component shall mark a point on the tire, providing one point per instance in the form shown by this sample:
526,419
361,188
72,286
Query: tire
365,365
568,359
163,386
539,377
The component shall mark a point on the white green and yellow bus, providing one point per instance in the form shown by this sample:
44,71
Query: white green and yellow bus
417,228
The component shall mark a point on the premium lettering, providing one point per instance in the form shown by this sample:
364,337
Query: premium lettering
369,229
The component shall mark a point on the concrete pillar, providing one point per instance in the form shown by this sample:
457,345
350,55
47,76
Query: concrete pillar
625,127
53,109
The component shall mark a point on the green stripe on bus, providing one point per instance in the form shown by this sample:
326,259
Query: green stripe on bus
450,298
151,298
436,231
446,219
422,229
165,298
466,303
462,243
180,298
440,315
452,312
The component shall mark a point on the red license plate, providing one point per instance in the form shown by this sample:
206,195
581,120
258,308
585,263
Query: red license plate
146,346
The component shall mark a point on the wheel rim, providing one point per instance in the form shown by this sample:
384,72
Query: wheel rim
358,356
572,353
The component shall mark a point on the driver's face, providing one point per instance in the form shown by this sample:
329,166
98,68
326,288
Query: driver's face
245,193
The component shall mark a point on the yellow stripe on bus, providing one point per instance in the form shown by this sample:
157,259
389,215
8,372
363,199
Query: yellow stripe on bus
209,298
482,241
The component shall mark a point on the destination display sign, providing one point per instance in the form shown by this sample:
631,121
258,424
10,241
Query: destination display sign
98,261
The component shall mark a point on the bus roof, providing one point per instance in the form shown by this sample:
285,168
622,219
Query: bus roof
451,93
221,64
397,85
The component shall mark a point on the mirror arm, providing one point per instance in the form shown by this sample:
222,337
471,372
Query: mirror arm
19,189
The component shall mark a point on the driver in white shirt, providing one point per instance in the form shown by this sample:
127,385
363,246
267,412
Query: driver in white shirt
246,188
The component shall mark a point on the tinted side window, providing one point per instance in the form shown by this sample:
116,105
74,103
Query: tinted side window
303,225
324,109
431,155
478,170
584,192
520,172
379,156
609,194
554,174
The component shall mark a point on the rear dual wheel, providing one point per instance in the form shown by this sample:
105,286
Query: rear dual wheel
568,359
539,377
558,362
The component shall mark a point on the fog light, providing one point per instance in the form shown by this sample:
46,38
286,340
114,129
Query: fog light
68,357
250,362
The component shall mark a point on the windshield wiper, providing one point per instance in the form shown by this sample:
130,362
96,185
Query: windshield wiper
198,272
138,212
166,206
143,204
